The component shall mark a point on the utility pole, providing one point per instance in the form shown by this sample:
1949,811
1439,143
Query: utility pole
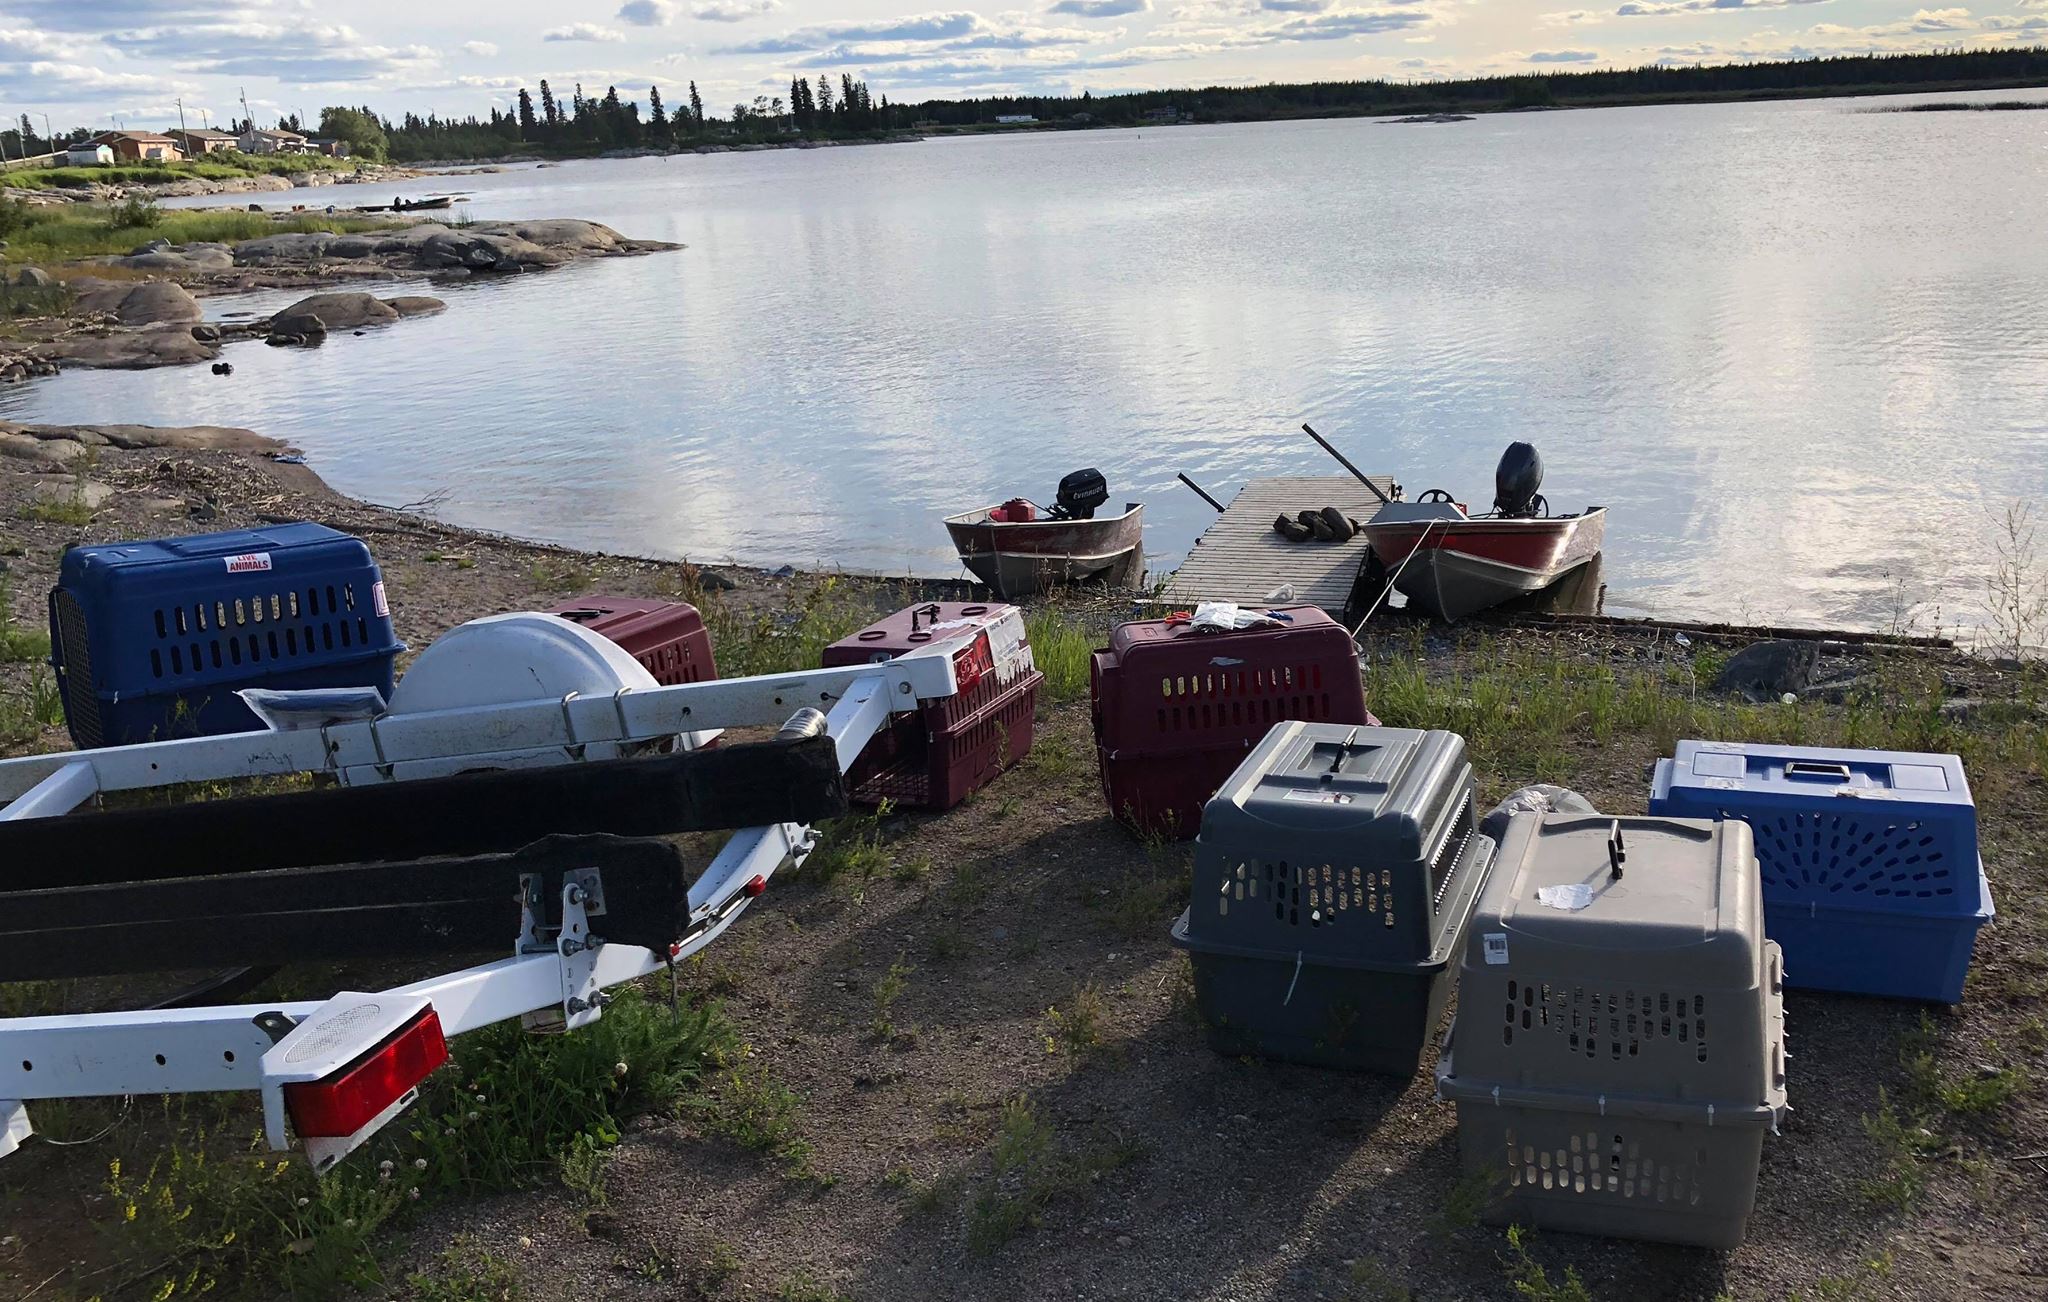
181,122
247,116
47,134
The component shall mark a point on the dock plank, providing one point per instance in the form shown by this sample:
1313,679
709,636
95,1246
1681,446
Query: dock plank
1239,557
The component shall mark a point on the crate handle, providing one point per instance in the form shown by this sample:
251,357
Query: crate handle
1617,853
929,613
1815,769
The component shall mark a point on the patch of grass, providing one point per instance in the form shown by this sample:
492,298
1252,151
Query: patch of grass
223,1215
135,211
721,1264
1031,1172
1466,1203
1077,1031
60,234
948,942
19,645
222,166
1850,1288
1974,1095
1531,1281
800,1287
1052,759
1062,650
813,615
1901,1145
746,1104
887,991
1369,1280
557,574
850,847
467,1276
71,511
26,711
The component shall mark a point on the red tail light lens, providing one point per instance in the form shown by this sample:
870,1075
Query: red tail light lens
972,663
353,1097
754,887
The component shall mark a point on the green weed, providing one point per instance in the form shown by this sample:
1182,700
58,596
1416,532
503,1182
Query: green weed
464,1276
549,574
1031,1172
1901,1145
887,991
1370,1281
1062,650
746,1104
1531,1281
1077,1030
800,1287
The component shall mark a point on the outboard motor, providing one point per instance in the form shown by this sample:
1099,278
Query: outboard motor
1080,493
1516,480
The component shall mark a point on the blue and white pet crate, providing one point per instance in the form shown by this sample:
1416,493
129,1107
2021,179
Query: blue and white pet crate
1872,881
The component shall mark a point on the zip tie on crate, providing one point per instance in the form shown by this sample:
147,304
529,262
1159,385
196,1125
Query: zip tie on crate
1603,1105
1710,1116
1297,977
1496,1096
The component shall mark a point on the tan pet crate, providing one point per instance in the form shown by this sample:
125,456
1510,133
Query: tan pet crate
1619,1047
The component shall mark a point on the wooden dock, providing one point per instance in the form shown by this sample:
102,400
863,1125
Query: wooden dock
1239,557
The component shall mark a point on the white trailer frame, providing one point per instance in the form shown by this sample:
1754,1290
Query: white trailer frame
559,980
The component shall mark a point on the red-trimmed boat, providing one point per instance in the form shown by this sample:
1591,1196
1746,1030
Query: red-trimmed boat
1451,564
1019,548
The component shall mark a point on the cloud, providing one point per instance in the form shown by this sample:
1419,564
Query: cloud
481,49
915,27
1099,8
647,13
1655,9
1341,24
1565,56
1296,6
1574,17
47,81
733,11
582,32
2014,23
234,45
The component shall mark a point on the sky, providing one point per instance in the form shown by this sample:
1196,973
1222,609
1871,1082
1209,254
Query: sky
91,62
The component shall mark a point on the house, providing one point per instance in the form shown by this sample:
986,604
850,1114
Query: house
1013,119
1166,114
328,145
139,146
273,142
202,140
88,154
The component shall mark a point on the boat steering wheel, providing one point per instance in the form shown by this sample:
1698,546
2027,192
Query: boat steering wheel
1434,495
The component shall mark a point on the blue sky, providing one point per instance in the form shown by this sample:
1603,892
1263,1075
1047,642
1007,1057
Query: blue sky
86,61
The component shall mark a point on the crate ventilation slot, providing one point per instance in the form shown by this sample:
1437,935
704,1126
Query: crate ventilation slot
1827,856
1594,1162
1242,698
1316,895
262,628
1614,1023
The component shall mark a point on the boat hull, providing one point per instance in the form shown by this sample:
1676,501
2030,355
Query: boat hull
1451,568
1024,558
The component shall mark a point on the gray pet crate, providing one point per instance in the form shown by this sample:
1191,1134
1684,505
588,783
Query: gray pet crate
1616,1064
1334,876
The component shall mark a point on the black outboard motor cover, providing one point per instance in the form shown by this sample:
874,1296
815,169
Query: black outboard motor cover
1516,480
1080,493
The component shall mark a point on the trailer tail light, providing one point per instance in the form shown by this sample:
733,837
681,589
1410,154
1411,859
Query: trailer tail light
753,888
972,663
341,1105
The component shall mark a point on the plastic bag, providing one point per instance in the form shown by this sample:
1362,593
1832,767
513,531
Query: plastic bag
1540,799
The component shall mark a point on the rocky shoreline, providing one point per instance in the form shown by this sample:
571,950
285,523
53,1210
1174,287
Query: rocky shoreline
253,183
143,310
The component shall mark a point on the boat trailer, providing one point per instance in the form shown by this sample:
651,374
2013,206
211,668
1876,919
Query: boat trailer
448,829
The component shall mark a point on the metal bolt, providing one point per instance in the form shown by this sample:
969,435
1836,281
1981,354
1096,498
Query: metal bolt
576,1005
575,895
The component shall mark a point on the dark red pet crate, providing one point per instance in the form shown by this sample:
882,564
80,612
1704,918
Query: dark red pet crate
668,637
934,758
1175,711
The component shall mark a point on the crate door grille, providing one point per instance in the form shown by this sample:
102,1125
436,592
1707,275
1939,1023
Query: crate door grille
255,629
1611,1024
1231,700
1605,1162
81,706
1311,895
1826,857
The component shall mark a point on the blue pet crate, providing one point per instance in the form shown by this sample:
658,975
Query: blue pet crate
151,640
1872,882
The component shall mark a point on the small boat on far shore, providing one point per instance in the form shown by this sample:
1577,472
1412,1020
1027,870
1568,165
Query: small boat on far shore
411,205
1019,548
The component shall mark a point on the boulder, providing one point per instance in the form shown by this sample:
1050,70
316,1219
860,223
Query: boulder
415,305
89,493
151,302
344,310
154,246
165,345
1766,671
270,250
206,334
191,259
34,278
293,321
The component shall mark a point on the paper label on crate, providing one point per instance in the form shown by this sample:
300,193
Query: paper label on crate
1570,897
1319,797
249,563
1495,946
378,602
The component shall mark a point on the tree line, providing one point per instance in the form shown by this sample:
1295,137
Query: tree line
828,108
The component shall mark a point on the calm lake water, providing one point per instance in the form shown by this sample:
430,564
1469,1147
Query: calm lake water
1800,351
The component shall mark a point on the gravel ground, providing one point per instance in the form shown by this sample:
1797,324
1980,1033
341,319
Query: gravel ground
1155,1169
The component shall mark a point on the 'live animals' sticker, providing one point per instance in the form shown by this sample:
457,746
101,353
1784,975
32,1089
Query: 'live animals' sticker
249,563
1496,945
378,601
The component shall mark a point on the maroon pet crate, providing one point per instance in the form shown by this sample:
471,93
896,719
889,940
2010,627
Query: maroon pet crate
934,758
1175,711
668,637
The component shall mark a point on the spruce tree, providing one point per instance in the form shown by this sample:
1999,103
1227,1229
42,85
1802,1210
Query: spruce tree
526,123
657,123
696,107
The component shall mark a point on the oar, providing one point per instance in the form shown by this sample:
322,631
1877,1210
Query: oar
1356,473
1199,493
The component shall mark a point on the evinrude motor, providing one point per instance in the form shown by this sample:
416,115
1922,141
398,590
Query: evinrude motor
1080,493
1515,482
